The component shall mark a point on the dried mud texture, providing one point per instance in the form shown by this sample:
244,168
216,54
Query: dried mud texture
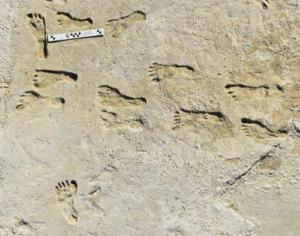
57,2
183,119
271,163
117,26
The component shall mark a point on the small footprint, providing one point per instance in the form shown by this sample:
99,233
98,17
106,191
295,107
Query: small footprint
117,26
111,97
23,228
65,194
26,228
159,72
110,120
66,21
257,130
36,24
31,100
241,93
184,119
42,79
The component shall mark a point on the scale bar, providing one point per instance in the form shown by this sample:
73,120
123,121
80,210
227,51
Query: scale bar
75,35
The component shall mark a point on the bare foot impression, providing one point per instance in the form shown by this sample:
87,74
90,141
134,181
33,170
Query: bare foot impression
158,72
111,97
36,24
42,79
66,21
23,227
31,100
184,119
65,193
117,26
241,93
258,131
110,120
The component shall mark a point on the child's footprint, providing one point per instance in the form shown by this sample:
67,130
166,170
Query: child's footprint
36,24
158,72
31,100
65,193
110,120
117,26
42,79
111,97
66,21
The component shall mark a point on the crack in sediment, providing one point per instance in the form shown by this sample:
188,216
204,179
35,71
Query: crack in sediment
233,181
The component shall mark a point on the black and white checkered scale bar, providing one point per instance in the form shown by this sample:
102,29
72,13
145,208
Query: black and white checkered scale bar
76,35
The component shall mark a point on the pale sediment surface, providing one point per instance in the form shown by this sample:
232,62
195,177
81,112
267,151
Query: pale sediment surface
183,119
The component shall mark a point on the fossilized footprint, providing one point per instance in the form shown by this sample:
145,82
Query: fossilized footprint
117,26
31,100
36,24
42,79
65,193
111,120
23,227
257,130
66,21
184,119
158,72
111,97
241,93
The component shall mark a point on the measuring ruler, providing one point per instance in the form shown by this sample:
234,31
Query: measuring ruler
75,35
